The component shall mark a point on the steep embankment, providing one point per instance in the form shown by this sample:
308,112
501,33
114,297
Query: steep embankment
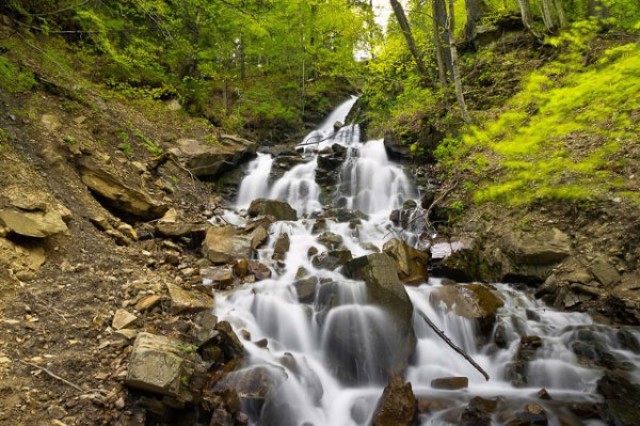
85,174
546,186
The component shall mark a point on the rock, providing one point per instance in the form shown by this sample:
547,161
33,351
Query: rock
241,268
331,259
147,303
518,369
604,272
278,209
458,260
330,240
190,301
306,289
220,277
50,122
128,231
533,415
35,224
259,270
225,244
450,383
473,301
281,247
412,264
396,150
180,230
620,399
478,412
259,237
540,248
253,384
397,406
118,195
123,319
385,290
543,394
127,333
160,365
427,198
344,215
204,160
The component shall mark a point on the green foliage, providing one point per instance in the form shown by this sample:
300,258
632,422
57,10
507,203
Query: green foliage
70,140
13,79
148,144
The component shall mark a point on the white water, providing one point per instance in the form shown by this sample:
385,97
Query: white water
327,385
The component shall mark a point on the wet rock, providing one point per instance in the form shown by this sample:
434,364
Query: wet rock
119,196
478,412
473,301
253,384
203,159
412,264
220,277
160,365
543,394
396,149
331,259
450,383
345,215
240,268
259,270
226,244
384,289
330,240
427,198
620,399
397,406
306,289
259,237
188,300
590,349
123,319
518,369
278,209
533,415
458,260
281,247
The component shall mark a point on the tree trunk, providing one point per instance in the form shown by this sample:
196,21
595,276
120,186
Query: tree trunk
441,23
437,39
525,12
474,14
598,9
549,16
562,16
457,79
403,22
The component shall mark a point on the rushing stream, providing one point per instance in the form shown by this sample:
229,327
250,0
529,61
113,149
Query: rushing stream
313,383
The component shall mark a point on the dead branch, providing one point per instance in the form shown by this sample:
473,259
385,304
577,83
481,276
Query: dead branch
456,348
55,376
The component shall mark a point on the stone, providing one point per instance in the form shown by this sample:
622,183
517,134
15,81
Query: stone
127,333
117,195
450,383
345,215
188,301
473,301
240,268
412,264
259,270
604,272
281,247
220,277
478,412
540,248
171,216
306,289
397,406
259,237
36,224
50,122
160,365
620,399
123,319
204,160
128,231
332,260
458,260
147,303
180,230
276,208
330,240
253,384
225,244
385,290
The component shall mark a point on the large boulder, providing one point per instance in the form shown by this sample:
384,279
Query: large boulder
226,244
254,385
385,290
276,208
620,399
119,196
397,406
160,365
332,259
204,160
29,213
474,301
412,264
188,300
545,247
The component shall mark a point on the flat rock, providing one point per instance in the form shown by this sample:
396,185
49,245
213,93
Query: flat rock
188,300
226,244
37,224
332,260
147,303
203,159
118,195
539,248
473,301
123,319
276,208
160,365
450,383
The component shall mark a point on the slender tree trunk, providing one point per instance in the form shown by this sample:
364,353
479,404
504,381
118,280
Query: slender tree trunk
598,10
457,79
562,16
474,14
525,12
408,35
441,22
437,39
549,16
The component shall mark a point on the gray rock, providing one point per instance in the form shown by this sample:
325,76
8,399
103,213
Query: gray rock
397,406
473,301
123,319
160,365
540,248
281,247
226,244
604,272
330,240
276,208
331,260
450,383
202,159
188,300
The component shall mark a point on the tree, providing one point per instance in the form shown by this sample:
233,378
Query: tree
403,22
525,12
457,78
474,9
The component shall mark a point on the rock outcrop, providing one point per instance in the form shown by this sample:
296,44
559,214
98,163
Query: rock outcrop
29,213
280,210
474,301
225,244
412,264
205,160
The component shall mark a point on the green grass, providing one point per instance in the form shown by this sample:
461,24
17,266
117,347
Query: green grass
559,137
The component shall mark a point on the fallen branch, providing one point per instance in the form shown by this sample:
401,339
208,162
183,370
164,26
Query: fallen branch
55,376
448,341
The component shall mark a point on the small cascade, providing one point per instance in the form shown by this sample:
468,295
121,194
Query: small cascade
325,348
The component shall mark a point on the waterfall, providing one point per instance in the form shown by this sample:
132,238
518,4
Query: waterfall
327,354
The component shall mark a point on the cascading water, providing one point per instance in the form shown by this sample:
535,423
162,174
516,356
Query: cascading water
327,352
